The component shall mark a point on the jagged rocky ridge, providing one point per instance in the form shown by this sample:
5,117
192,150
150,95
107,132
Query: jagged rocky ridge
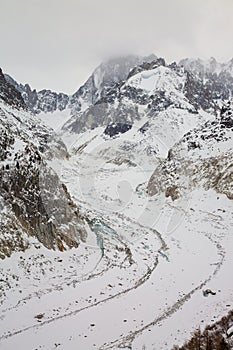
105,76
10,94
152,87
150,106
113,93
40,101
206,82
214,80
33,201
128,100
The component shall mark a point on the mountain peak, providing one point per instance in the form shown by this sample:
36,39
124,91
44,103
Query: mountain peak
10,94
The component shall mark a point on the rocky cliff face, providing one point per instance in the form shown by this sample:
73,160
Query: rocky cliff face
103,78
10,94
152,87
129,100
212,82
40,101
202,158
205,83
34,203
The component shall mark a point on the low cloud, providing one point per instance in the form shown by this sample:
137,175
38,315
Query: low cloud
56,44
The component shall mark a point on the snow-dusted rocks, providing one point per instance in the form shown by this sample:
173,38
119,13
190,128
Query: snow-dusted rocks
10,94
40,101
31,192
211,82
203,157
149,88
34,202
144,91
105,76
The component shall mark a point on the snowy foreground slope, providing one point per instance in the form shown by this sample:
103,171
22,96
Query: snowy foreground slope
144,289
149,167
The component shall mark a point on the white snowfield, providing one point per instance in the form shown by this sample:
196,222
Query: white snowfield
160,78
55,120
138,281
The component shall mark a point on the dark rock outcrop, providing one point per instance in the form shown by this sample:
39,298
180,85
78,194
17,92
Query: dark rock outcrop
40,101
118,128
33,201
9,94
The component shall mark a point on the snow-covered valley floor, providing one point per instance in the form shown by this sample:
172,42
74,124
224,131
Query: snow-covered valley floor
136,283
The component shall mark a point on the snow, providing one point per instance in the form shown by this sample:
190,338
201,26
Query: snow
55,120
160,78
104,302
138,280
230,331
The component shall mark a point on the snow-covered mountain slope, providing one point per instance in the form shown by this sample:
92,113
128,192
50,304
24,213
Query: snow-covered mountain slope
117,91
151,87
146,114
205,83
34,203
147,261
128,101
106,75
40,101
215,79
159,78
203,68
203,157
141,143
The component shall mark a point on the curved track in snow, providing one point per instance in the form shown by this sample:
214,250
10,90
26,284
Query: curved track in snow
133,288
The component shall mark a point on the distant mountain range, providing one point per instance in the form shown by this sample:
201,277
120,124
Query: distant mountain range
166,100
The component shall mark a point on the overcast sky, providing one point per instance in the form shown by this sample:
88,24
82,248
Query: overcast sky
56,44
